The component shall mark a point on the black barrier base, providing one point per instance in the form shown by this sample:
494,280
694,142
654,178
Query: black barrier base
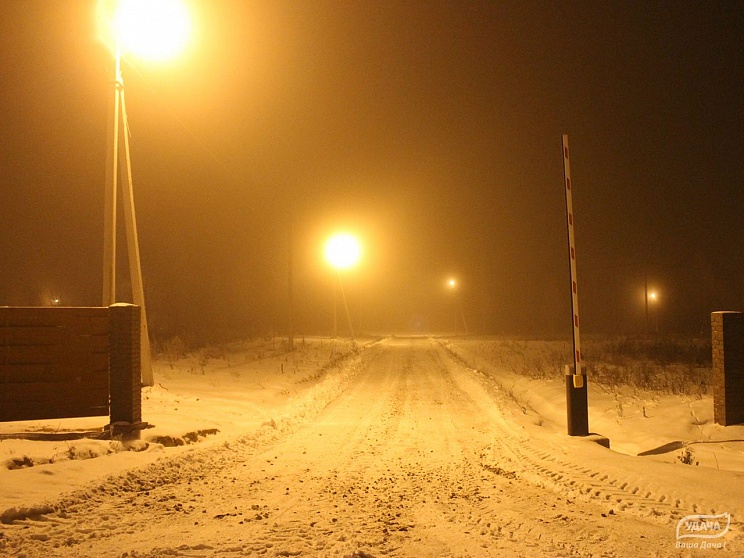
576,406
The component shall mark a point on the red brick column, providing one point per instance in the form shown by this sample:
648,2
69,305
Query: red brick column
125,378
727,330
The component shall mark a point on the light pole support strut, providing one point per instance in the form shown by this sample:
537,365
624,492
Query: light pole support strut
346,306
119,131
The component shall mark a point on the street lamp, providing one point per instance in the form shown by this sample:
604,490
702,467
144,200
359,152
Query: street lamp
342,251
153,29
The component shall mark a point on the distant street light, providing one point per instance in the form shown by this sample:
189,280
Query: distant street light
153,29
342,251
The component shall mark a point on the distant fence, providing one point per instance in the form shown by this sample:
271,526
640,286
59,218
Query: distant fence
728,367
63,362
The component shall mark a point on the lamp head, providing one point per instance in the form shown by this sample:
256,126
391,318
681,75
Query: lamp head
343,251
151,29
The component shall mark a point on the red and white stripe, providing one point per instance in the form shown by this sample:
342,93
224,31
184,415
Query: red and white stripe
572,256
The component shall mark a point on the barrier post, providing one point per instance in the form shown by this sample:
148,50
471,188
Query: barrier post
577,409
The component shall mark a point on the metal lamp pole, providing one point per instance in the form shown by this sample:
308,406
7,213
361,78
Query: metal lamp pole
119,130
346,306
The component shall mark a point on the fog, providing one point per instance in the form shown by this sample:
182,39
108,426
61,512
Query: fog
432,131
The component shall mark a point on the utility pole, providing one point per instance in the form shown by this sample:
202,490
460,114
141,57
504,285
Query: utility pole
119,133
645,294
290,287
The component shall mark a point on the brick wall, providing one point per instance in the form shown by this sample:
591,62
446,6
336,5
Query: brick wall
53,362
71,362
727,338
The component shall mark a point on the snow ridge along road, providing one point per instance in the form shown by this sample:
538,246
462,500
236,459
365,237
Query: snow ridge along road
414,455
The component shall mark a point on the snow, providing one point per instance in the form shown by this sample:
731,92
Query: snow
392,447
231,390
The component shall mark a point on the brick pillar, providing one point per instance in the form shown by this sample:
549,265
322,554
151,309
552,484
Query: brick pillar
125,378
727,338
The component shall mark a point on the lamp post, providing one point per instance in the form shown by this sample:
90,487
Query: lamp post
645,299
452,285
650,298
342,251
654,300
152,29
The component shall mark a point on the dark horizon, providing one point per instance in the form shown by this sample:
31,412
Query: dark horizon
433,131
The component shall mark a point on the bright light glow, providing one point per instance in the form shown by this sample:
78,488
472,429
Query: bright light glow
343,251
652,295
451,283
151,29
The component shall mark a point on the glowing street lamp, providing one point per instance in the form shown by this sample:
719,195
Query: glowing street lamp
342,251
152,29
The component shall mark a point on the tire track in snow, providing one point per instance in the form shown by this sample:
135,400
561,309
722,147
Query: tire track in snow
428,492
561,472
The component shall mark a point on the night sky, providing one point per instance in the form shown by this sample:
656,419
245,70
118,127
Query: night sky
430,129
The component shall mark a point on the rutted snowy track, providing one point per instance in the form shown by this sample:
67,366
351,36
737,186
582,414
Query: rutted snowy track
412,458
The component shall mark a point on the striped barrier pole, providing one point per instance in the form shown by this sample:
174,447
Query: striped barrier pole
576,390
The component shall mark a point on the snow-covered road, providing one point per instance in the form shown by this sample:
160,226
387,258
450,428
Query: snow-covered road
416,456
